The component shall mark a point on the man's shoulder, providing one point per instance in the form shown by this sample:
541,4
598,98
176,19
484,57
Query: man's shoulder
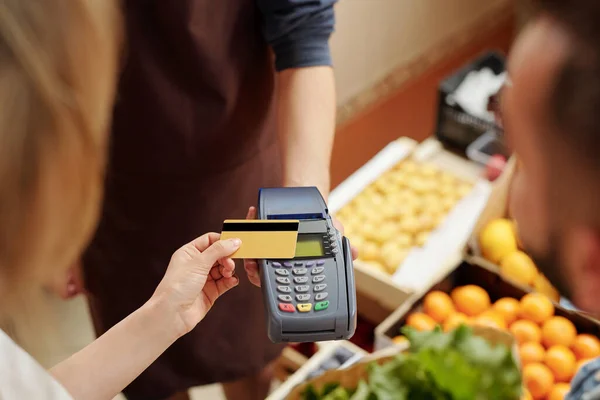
586,383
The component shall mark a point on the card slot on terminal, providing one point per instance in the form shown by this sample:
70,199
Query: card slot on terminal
263,239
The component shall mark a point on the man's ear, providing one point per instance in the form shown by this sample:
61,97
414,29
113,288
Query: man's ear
582,268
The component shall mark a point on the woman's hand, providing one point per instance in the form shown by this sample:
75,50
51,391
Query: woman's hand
197,275
251,266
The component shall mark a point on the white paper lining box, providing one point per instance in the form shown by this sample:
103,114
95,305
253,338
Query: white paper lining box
445,244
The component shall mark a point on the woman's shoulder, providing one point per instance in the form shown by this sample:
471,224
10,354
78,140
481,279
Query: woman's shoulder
21,377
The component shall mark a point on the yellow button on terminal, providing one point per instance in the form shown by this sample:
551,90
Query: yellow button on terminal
304,307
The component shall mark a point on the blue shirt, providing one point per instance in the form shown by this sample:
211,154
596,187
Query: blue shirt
298,31
586,383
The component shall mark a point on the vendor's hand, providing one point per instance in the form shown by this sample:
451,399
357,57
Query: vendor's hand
251,266
197,275
338,225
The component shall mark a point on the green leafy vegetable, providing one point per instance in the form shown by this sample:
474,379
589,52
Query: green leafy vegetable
455,365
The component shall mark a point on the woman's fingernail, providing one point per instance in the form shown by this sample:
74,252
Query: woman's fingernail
236,242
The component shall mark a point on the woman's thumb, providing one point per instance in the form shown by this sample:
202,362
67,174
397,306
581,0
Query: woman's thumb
220,249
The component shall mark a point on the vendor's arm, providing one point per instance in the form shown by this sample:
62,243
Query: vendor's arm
198,274
299,31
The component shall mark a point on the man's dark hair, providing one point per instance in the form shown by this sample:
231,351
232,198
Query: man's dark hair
575,100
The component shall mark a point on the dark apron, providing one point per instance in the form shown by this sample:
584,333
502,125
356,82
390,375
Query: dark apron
193,140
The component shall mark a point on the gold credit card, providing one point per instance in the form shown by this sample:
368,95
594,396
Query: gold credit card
263,239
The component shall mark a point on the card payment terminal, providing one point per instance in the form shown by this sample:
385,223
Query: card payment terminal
311,297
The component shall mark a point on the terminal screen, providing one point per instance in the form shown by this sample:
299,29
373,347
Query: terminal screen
309,246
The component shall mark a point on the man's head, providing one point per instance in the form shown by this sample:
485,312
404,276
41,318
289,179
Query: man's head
552,121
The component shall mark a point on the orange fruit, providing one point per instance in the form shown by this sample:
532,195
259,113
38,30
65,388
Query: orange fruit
538,380
525,331
559,391
519,267
454,321
420,321
536,307
438,305
508,308
471,300
561,361
586,346
558,330
530,352
490,318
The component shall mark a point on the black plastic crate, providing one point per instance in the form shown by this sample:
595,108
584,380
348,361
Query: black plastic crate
456,128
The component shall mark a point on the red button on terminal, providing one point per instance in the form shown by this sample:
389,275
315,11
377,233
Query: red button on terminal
286,307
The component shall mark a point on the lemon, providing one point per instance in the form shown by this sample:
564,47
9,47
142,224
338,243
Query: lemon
519,267
497,239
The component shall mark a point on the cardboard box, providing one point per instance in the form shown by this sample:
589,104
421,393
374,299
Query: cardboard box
469,272
422,265
349,377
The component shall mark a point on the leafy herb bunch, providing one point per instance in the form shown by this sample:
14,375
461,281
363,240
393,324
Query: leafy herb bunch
456,365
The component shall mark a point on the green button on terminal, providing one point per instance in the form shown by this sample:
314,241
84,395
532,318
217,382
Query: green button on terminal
322,305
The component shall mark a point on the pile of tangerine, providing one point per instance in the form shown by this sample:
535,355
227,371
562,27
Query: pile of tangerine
550,348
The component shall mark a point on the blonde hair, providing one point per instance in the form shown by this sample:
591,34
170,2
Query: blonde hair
58,67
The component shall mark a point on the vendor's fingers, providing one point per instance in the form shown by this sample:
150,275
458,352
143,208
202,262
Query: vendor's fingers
251,268
251,213
354,252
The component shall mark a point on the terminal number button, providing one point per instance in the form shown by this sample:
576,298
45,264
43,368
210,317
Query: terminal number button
302,289
285,297
320,287
286,307
318,279
282,272
317,270
284,289
321,296
299,271
283,281
301,279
